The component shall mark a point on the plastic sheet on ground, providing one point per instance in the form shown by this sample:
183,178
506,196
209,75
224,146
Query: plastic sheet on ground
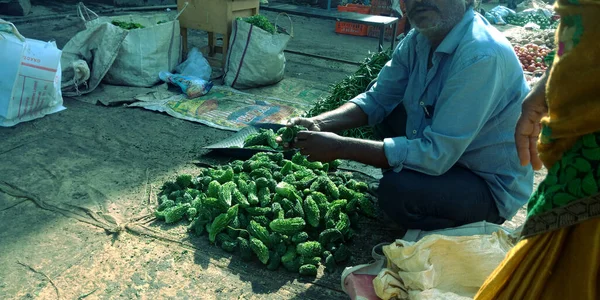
226,108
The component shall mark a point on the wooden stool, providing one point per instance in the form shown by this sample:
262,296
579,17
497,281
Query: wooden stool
214,17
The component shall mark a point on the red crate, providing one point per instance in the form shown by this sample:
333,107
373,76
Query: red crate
384,7
357,8
381,7
351,28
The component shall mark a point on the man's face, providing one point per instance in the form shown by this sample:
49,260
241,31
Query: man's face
433,17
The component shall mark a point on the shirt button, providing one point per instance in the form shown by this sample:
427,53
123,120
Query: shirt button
421,103
414,132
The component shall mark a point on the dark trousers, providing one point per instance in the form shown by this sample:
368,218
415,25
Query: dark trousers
415,200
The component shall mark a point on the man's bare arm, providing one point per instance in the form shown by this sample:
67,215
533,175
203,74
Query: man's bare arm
364,151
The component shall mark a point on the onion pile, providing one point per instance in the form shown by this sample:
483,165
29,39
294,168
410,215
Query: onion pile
532,57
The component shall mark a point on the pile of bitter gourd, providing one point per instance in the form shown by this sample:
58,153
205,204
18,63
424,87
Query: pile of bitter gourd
291,213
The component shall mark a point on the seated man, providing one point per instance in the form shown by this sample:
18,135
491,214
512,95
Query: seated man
446,106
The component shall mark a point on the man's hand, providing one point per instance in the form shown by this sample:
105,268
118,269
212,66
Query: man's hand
309,123
319,146
529,127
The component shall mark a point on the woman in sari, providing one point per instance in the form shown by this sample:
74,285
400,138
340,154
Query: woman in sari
558,256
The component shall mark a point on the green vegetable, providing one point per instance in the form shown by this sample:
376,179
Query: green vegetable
175,213
293,265
252,197
288,226
277,208
259,248
191,213
265,138
216,204
310,261
233,230
221,222
343,225
274,261
330,235
226,191
261,22
264,197
289,255
258,211
226,176
245,250
309,249
229,246
298,210
313,215
262,220
308,270
330,263
259,232
184,180
127,25
367,207
288,134
261,182
239,198
300,237
165,204
213,189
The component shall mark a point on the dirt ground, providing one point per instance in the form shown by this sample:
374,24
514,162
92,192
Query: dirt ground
77,187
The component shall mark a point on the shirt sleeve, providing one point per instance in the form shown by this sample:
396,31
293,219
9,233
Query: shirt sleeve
389,89
467,101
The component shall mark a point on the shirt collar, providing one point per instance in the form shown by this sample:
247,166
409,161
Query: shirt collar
454,37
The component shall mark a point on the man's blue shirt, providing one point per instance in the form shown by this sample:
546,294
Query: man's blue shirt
461,111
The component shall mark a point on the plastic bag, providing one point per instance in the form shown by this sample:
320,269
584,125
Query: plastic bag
192,86
498,14
503,11
537,12
195,65
29,78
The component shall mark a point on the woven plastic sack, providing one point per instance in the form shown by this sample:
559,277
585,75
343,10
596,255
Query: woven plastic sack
145,51
255,57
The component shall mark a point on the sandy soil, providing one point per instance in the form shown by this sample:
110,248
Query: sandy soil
77,185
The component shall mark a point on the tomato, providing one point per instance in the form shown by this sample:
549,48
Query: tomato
531,68
529,57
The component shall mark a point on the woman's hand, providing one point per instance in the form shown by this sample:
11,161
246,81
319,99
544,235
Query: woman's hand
528,126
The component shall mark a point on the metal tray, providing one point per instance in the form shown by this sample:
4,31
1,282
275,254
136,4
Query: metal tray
237,139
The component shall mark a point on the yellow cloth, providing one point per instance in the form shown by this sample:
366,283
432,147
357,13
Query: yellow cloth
562,264
573,87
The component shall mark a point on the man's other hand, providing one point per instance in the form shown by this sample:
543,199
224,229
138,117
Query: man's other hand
319,146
